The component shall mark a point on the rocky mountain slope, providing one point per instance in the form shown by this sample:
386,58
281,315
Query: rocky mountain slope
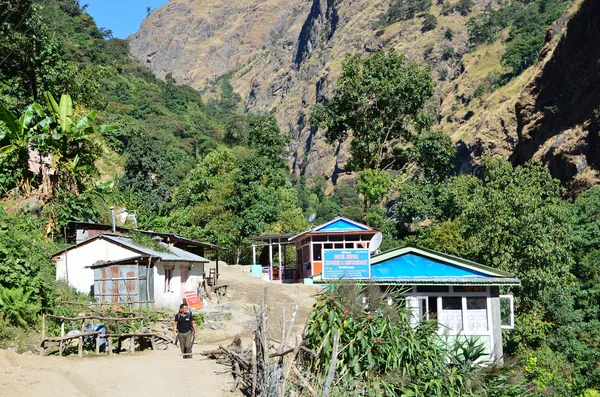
286,55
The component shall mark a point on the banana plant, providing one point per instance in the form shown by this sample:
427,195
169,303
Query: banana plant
16,135
70,142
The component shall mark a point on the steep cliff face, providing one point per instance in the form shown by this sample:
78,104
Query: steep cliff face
286,56
558,112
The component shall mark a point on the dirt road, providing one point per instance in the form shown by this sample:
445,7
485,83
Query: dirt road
160,373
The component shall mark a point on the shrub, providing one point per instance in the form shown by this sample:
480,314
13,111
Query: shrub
429,23
16,308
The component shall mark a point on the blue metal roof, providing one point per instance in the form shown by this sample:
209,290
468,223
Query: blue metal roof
413,265
337,225
430,280
421,266
342,225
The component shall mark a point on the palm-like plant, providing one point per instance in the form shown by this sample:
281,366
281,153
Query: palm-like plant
69,142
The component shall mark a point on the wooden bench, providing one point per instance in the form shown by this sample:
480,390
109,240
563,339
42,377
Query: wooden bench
220,290
64,341
131,336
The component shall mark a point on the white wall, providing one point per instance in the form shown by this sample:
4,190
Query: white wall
76,259
172,299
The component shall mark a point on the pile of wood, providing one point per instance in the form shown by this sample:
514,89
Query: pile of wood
270,367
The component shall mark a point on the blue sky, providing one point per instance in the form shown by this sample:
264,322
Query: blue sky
123,17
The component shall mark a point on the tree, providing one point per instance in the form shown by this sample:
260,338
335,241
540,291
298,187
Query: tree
464,7
402,10
373,185
380,102
264,136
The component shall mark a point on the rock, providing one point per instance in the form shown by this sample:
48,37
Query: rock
32,206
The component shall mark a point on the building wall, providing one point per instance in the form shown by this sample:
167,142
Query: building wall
72,264
496,325
172,296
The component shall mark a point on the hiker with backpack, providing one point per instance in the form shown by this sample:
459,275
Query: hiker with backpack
184,330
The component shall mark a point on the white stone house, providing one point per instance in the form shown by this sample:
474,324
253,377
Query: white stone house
114,268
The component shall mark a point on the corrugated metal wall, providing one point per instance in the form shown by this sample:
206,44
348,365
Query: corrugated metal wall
124,283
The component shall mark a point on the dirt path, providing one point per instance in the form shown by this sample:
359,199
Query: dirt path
161,373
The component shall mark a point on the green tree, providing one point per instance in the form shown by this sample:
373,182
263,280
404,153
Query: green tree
264,136
402,10
373,185
380,102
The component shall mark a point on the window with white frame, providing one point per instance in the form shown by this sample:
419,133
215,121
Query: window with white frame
168,279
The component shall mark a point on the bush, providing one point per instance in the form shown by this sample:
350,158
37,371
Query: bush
402,10
429,23
16,307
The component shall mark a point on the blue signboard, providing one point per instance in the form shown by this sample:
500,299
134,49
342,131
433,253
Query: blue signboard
351,263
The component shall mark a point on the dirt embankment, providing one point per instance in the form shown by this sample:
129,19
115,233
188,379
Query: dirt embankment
160,373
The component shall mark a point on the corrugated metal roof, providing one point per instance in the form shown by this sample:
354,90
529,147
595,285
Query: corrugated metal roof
430,280
173,254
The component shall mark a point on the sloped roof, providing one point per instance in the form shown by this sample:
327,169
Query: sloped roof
338,225
170,237
420,266
171,253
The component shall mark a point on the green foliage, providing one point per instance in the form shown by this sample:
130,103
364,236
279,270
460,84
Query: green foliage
528,22
373,185
264,137
514,218
449,34
402,10
381,353
233,194
146,240
24,261
381,102
327,210
429,23
434,154
16,307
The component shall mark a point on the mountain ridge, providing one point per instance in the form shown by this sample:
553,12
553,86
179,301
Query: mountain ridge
283,59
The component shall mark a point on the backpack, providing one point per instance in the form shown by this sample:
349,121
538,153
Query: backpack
188,316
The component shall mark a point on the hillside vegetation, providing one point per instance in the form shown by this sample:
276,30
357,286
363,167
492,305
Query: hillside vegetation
84,126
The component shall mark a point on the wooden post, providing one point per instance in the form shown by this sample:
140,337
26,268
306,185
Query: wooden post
97,344
280,264
80,347
43,326
61,347
109,346
217,269
270,260
254,368
62,328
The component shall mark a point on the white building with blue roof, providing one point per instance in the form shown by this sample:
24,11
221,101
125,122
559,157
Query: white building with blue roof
463,296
